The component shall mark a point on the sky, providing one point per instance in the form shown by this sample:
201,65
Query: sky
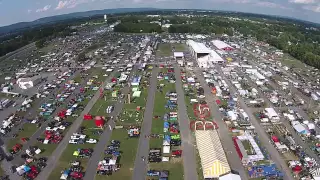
13,11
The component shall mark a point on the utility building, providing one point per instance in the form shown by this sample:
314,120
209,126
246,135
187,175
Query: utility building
205,57
222,45
198,50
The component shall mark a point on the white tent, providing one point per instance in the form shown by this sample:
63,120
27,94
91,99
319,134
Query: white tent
213,159
230,177
25,83
166,149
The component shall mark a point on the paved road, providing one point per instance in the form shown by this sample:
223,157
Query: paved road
274,154
226,140
286,122
54,158
104,140
140,167
33,139
188,142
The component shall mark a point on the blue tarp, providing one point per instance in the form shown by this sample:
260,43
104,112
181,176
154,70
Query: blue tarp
166,125
167,138
66,172
116,153
26,168
136,79
264,171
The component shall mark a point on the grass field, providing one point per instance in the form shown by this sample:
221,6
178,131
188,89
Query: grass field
291,62
179,46
128,149
174,166
29,130
2,173
128,146
164,49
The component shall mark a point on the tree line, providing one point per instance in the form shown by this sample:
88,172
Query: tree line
140,27
38,35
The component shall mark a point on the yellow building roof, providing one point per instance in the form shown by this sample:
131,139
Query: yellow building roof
216,170
213,159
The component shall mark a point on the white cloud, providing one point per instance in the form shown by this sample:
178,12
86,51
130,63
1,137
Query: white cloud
45,8
303,1
29,10
270,5
233,1
61,4
315,8
71,3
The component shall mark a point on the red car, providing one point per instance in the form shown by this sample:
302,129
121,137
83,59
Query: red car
34,169
77,175
31,175
176,153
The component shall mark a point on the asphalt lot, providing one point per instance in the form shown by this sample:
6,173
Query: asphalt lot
188,142
31,113
140,166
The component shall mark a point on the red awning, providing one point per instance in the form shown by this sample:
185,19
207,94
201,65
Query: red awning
87,117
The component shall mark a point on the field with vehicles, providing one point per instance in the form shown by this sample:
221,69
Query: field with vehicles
164,126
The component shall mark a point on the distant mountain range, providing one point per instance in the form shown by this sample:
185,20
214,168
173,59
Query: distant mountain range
65,17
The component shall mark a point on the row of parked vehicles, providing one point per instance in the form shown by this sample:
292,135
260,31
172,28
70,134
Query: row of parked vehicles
110,163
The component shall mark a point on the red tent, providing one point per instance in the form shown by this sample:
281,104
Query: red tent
62,113
114,80
275,139
297,169
218,101
87,117
99,121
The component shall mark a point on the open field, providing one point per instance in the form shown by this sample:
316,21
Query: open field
291,62
174,166
128,149
128,146
29,130
164,49
179,47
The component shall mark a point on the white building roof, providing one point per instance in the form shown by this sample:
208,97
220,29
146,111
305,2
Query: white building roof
198,47
25,83
178,54
230,177
220,44
271,113
213,158
215,57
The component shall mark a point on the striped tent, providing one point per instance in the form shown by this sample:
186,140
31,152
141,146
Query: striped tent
315,173
213,159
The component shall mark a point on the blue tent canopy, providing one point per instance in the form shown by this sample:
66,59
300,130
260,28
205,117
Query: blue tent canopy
26,168
166,125
67,172
167,137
